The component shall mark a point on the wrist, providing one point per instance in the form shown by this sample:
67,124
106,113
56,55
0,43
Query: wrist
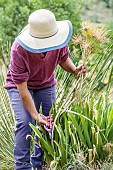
75,71
36,117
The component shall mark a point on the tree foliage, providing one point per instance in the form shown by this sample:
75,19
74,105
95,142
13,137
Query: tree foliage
14,15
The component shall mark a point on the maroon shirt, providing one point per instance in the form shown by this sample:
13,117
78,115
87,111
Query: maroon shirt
35,68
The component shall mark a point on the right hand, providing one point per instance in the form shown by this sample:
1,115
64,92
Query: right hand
43,120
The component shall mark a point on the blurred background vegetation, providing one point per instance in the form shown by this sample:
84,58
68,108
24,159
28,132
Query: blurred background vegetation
14,15
87,103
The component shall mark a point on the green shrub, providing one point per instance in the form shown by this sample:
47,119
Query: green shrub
14,15
87,129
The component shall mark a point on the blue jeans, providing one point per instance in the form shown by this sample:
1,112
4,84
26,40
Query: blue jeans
45,98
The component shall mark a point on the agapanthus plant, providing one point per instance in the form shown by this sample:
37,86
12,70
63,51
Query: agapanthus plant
93,48
91,41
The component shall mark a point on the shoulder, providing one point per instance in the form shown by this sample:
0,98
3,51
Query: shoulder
64,50
60,51
16,47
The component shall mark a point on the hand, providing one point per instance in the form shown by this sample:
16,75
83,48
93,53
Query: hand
80,70
43,120
50,119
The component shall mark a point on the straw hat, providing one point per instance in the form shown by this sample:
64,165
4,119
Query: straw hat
43,33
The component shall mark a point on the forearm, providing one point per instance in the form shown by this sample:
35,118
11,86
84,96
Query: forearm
68,65
29,104
28,101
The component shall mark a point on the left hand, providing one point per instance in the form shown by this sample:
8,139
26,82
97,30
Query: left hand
80,70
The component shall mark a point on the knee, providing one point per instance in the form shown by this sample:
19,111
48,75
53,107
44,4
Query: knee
23,127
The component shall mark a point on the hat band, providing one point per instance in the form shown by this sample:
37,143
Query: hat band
45,37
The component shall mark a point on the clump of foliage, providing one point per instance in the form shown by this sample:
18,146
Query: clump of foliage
80,133
91,41
93,47
7,120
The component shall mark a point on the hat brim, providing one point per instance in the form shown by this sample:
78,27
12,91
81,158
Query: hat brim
38,45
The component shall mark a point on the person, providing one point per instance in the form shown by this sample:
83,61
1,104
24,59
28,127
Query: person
30,82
